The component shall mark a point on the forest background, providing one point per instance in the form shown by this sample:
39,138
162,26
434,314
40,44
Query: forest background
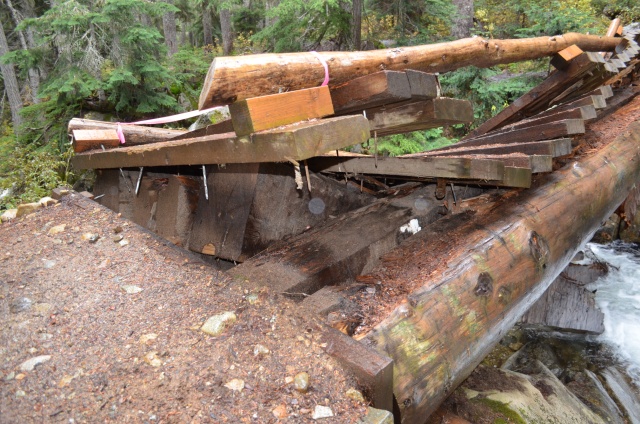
124,60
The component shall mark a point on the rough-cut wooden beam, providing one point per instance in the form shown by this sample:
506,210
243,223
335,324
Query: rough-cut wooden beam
537,163
429,167
405,117
423,85
241,77
84,140
552,115
554,148
468,288
539,132
538,98
370,91
598,102
297,141
563,58
134,134
272,111
373,371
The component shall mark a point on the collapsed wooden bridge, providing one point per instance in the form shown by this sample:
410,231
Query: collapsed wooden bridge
270,188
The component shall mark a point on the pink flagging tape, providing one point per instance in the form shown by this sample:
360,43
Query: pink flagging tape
163,120
324,64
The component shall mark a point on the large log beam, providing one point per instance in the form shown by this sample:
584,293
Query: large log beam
472,277
240,77
134,134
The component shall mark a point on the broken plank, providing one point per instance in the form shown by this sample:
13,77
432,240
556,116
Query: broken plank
272,111
84,140
427,167
370,91
539,132
373,371
554,148
538,98
134,134
424,86
298,142
414,116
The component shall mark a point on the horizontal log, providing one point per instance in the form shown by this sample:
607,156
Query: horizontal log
266,112
468,288
413,116
230,79
429,167
134,134
299,141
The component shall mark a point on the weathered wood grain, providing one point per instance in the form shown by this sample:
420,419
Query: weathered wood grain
462,300
134,134
230,79
272,111
84,140
297,141
554,148
370,91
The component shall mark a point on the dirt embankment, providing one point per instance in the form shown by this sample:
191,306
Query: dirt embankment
113,327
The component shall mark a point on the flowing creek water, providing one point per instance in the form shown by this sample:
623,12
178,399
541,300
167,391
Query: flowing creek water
618,296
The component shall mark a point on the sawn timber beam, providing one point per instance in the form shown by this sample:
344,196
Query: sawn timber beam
298,141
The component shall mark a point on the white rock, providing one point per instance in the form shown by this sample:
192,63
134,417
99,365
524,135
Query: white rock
412,227
131,289
217,324
322,412
47,201
57,229
152,359
236,384
27,208
30,364
8,215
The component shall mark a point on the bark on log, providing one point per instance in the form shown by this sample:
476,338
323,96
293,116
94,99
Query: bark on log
240,77
464,297
134,134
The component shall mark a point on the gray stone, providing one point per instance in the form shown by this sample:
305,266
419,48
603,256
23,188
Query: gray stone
608,231
20,304
30,364
626,396
217,324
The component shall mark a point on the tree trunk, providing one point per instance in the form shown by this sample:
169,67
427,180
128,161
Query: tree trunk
26,43
468,288
463,20
356,24
236,78
134,134
170,32
207,26
10,83
227,31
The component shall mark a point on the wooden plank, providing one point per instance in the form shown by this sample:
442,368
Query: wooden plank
568,307
272,111
84,140
427,167
554,148
424,86
414,116
298,141
563,58
373,371
537,163
221,127
598,102
539,132
538,98
517,177
370,91
581,112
